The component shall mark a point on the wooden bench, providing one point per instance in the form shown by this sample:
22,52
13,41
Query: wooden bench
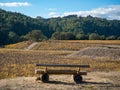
76,73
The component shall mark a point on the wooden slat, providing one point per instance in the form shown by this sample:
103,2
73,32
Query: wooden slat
39,71
60,72
63,65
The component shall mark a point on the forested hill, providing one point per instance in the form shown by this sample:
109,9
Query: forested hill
15,27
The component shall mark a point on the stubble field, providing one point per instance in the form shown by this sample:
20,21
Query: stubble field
103,56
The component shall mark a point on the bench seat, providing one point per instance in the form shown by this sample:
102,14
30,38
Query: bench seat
39,71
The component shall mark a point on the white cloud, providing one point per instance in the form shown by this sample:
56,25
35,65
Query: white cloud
110,12
14,4
53,14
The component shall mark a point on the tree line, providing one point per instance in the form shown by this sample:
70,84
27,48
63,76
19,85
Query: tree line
16,27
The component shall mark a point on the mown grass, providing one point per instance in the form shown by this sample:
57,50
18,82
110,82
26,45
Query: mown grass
73,44
20,45
64,44
18,62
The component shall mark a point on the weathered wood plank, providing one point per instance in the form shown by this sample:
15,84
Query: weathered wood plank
38,71
64,65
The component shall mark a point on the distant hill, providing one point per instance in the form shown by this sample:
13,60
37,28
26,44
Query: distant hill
15,27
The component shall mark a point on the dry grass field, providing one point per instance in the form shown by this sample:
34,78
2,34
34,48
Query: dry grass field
20,45
16,61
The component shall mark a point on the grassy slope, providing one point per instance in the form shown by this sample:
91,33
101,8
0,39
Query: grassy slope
63,44
20,45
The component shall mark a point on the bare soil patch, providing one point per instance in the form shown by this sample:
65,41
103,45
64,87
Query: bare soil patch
93,81
98,52
31,46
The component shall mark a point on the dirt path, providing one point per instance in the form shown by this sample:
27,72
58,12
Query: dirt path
31,46
93,81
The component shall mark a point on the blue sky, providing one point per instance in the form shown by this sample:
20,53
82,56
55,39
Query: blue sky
109,9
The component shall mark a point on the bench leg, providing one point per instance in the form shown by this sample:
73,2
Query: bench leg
45,77
77,78
38,78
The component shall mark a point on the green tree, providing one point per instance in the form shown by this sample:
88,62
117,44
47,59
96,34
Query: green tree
13,37
21,25
111,37
118,38
36,35
63,36
3,37
56,36
81,36
102,37
94,36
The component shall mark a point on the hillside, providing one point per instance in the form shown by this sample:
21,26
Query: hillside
87,48
15,27
69,45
